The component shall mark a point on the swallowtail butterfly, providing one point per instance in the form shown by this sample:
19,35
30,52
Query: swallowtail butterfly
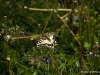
47,40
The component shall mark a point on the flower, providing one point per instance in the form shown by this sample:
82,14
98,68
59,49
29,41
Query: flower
48,60
97,43
7,37
76,19
8,58
91,54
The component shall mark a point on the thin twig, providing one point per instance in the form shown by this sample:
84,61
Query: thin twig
70,30
5,18
81,48
5,21
25,37
64,16
39,9
48,19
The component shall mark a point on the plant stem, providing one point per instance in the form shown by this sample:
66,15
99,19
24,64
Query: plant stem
39,9
48,19
69,30
25,37
5,17
80,48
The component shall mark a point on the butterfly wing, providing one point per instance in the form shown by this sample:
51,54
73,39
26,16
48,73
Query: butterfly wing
47,41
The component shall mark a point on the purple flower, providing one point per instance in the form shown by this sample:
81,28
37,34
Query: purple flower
48,60
76,19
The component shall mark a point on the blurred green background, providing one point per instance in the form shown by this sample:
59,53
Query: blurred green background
70,57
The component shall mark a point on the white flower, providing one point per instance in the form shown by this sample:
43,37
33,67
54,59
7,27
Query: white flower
2,31
97,43
7,37
31,38
8,58
90,53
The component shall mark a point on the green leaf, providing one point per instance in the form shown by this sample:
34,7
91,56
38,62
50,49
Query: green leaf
10,72
3,64
95,38
74,47
35,73
14,55
28,72
87,45
72,59
62,66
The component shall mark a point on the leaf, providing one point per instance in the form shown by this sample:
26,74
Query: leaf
95,64
87,45
14,55
72,59
28,72
74,47
65,34
95,38
35,73
3,64
10,72
62,66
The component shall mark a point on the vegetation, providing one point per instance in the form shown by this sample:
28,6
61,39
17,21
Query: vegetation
75,23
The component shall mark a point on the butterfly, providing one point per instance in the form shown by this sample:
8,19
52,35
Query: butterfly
47,40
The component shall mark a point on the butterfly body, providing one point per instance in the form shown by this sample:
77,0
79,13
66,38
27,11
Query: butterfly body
47,40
